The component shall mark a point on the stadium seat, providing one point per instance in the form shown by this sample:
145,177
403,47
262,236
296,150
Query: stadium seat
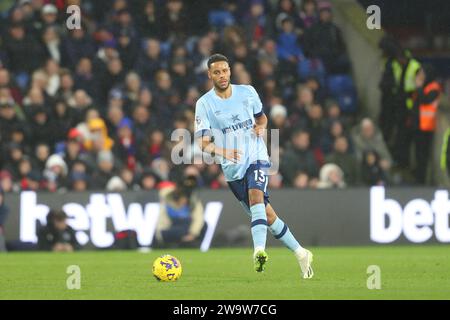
220,19
342,88
311,68
339,83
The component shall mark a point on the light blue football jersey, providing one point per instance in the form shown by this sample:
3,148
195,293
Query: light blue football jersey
230,121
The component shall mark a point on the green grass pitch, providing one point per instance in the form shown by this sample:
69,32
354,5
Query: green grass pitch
407,272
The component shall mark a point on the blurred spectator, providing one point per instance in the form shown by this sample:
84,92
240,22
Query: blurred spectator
131,90
307,15
80,101
257,25
278,120
79,180
98,136
181,74
367,137
74,151
181,214
142,120
149,180
288,48
129,178
23,52
275,181
42,152
162,168
53,46
67,87
77,45
64,119
388,87
426,102
203,51
331,176
162,94
150,60
174,22
8,83
20,135
345,160
335,130
324,40
372,172
126,146
57,235
127,48
405,68
55,174
301,180
84,77
116,184
15,154
315,124
29,179
9,120
299,157
113,76
268,51
48,18
105,170
285,9
6,181
304,100
41,127
153,147
149,24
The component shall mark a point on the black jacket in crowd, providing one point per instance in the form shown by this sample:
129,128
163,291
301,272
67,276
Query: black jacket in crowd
48,236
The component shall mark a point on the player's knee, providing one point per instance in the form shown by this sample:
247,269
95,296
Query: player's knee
255,198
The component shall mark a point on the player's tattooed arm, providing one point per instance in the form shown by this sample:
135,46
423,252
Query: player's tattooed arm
208,146
260,125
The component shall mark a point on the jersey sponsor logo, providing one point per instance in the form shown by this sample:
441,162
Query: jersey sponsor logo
241,125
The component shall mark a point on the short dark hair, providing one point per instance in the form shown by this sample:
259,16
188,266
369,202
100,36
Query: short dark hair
215,58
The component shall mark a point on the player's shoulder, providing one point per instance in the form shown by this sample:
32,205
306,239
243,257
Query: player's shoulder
204,99
245,88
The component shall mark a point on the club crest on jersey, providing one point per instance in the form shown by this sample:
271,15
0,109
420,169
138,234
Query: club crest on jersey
198,120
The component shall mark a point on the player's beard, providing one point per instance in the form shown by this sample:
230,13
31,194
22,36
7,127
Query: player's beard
219,88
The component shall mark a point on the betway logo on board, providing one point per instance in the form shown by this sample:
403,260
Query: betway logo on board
90,221
418,220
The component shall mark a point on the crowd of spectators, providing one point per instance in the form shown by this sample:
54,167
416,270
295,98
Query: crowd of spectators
94,108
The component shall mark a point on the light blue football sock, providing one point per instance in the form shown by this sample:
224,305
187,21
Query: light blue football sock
259,225
281,231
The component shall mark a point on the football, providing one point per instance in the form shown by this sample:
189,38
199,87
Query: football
167,268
